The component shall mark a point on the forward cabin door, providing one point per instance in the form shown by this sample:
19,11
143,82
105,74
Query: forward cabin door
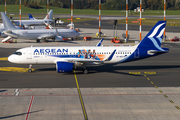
29,54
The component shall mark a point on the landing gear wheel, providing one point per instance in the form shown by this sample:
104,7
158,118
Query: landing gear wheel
37,40
45,41
85,71
29,70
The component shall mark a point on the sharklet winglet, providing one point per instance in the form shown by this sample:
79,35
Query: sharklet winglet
111,56
99,43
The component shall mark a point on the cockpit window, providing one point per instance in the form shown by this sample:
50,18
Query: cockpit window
18,53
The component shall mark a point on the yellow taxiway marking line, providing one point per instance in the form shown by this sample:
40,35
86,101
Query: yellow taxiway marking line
87,24
4,58
15,69
149,72
171,101
177,107
80,97
136,73
152,82
165,96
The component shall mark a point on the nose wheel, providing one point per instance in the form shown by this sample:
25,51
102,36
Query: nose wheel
30,70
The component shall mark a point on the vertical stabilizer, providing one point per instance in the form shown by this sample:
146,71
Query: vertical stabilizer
7,23
31,17
50,15
154,38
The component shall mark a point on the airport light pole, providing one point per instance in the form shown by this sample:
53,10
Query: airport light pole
5,6
72,14
20,12
99,17
140,19
164,18
47,6
47,14
126,21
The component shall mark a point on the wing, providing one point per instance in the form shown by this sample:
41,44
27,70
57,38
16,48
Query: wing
79,60
84,60
46,36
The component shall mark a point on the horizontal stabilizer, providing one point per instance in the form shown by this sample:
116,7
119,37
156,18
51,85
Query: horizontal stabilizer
152,52
10,33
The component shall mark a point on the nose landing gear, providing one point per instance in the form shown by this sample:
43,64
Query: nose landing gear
30,70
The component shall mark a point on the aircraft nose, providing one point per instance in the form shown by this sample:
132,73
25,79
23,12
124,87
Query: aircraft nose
11,58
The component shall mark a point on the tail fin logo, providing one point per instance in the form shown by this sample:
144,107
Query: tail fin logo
157,39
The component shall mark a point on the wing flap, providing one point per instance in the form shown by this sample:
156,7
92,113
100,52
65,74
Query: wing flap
79,60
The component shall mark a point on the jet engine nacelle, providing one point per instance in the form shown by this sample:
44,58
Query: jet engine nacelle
58,38
64,67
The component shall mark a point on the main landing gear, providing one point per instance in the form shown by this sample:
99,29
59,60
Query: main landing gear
83,67
85,71
38,40
30,70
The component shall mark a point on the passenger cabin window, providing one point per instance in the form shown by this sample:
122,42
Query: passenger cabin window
18,53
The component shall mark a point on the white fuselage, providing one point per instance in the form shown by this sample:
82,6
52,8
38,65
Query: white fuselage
31,22
34,34
50,55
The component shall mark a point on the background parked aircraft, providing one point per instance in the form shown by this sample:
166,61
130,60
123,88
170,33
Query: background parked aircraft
56,34
33,21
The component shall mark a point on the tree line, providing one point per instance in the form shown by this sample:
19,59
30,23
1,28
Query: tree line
105,4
